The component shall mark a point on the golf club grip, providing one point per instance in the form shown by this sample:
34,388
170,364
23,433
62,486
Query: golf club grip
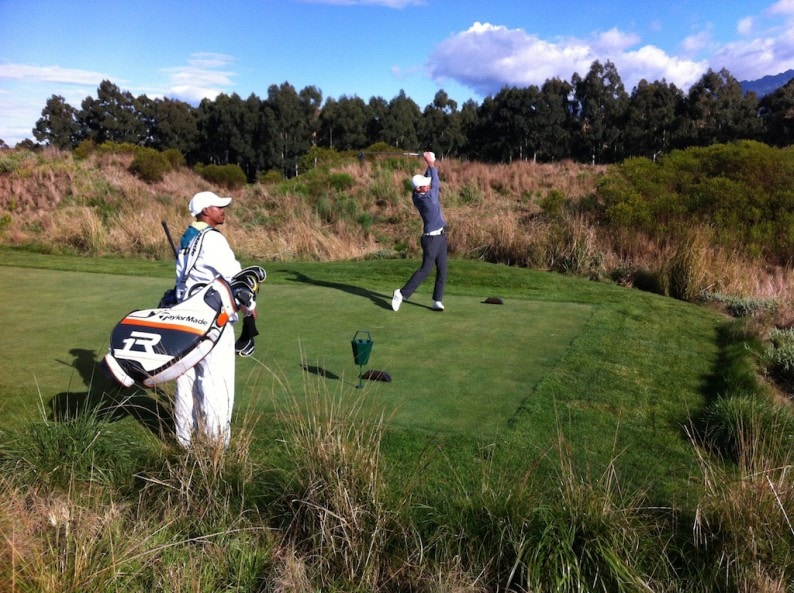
170,238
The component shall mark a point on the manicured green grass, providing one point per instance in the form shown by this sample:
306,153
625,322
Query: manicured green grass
617,372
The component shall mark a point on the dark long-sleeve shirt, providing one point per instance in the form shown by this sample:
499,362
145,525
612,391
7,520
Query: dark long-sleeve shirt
428,204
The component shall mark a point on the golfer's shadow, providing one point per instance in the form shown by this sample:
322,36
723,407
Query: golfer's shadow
105,399
379,299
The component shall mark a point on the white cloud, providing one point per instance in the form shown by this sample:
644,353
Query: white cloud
487,57
26,88
783,7
205,77
615,40
697,43
57,74
745,25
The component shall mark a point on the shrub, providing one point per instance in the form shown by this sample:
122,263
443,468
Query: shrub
270,176
740,190
552,204
149,165
85,149
737,306
340,181
118,148
13,160
174,157
319,157
229,176
780,356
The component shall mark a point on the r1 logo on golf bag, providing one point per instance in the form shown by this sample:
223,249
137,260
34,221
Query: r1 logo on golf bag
144,340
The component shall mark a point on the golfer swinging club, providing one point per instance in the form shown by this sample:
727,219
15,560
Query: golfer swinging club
434,240
204,396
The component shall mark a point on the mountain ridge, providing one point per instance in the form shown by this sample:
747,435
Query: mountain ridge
767,84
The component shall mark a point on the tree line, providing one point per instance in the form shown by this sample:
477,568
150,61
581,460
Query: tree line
587,119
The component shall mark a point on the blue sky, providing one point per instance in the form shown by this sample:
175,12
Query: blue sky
366,48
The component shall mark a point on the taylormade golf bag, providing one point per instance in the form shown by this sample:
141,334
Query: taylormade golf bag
153,346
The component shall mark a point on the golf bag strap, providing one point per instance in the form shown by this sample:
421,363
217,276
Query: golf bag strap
191,253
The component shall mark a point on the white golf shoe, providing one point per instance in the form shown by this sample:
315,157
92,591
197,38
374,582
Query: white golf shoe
438,306
397,300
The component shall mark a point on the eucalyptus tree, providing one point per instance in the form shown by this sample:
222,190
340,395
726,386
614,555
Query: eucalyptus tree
484,141
343,123
226,129
378,106
777,112
601,102
653,118
58,125
172,124
468,118
295,116
440,126
718,110
517,121
311,99
401,122
555,120
114,116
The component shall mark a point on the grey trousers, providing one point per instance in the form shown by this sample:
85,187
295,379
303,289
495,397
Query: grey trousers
434,253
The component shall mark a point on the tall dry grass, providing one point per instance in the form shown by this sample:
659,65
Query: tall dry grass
744,520
338,525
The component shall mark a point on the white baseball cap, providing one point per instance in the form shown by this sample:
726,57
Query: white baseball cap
420,181
205,199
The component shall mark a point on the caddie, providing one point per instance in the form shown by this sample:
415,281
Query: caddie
204,396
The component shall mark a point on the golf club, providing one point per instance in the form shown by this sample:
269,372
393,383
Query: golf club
170,238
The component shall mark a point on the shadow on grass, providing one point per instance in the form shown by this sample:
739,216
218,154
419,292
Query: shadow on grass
734,373
379,299
107,400
320,371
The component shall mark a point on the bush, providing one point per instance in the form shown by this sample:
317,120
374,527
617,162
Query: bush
737,306
780,356
340,181
552,204
319,157
174,157
229,176
118,148
270,176
149,165
85,149
740,190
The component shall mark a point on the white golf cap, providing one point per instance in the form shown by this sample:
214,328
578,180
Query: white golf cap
420,181
205,199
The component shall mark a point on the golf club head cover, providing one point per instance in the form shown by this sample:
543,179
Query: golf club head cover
152,346
245,285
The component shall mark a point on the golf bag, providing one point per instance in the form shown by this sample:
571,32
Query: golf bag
152,346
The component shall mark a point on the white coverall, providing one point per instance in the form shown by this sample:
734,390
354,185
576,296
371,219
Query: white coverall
204,396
